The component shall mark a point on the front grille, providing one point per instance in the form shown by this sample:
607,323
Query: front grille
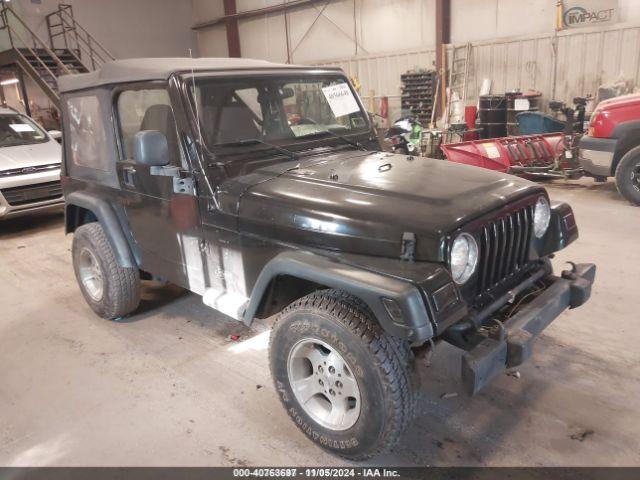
27,194
504,247
29,170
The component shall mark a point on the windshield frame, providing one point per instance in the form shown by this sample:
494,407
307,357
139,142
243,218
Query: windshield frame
30,121
305,142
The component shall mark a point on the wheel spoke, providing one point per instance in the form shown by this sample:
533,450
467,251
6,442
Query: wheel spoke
316,357
306,388
337,414
351,415
335,360
349,387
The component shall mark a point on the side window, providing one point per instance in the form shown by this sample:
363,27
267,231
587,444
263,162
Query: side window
87,135
146,109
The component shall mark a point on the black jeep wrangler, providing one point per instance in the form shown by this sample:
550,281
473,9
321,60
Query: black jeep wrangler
261,187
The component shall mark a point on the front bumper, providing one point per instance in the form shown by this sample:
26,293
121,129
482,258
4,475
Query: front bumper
37,192
596,155
514,343
41,207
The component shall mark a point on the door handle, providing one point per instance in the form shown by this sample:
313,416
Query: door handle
128,176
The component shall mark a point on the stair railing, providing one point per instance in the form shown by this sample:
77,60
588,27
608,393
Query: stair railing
76,38
8,14
75,53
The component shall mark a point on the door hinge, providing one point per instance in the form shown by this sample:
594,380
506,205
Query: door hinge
408,248
183,185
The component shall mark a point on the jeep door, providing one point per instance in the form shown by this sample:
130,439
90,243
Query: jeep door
159,203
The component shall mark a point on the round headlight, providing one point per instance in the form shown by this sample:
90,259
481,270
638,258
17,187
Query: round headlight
541,217
464,258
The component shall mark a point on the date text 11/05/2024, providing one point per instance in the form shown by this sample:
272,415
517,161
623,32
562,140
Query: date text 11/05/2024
315,472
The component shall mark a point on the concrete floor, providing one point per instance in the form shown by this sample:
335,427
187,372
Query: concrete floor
165,387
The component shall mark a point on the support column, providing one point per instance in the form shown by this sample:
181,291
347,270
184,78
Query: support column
23,91
443,37
233,35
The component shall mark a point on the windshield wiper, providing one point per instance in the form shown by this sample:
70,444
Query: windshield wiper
251,141
355,143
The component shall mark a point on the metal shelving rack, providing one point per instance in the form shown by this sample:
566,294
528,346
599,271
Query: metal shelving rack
418,94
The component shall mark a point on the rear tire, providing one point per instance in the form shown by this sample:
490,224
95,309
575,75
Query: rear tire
353,385
110,290
628,176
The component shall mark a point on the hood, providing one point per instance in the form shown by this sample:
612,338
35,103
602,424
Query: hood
32,155
622,101
363,202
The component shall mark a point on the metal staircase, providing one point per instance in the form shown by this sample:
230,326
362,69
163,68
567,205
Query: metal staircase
71,49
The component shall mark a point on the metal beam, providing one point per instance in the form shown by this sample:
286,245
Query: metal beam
310,27
231,22
253,13
443,29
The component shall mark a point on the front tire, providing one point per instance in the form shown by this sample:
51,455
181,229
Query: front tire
628,176
110,290
343,381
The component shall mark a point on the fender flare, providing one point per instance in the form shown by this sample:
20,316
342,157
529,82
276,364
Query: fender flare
625,128
627,134
109,222
370,287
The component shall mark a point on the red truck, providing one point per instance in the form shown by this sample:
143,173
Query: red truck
611,147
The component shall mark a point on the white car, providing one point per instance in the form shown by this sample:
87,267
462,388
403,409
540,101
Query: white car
30,160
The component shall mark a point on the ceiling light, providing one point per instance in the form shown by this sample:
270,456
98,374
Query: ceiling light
9,81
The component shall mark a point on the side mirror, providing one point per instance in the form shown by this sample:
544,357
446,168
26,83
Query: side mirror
55,134
150,148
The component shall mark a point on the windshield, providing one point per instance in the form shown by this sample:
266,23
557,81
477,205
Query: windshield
16,129
275,109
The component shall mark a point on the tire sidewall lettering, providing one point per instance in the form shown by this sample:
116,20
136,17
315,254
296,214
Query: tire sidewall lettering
306,327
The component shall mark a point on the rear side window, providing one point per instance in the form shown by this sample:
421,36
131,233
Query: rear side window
146,109
87,134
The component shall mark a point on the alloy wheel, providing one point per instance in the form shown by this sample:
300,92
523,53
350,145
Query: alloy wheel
91,275
324,384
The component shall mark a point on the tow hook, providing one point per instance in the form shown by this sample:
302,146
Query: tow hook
581,277
570,274
498,333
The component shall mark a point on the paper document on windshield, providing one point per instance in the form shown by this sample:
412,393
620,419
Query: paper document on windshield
341,100
21,127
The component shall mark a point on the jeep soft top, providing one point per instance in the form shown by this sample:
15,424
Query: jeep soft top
261,187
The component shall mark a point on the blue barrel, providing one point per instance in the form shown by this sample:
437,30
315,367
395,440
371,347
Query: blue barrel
533,123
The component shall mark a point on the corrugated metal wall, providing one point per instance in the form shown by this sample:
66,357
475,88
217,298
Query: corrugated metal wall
590,59
584,60
380,74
